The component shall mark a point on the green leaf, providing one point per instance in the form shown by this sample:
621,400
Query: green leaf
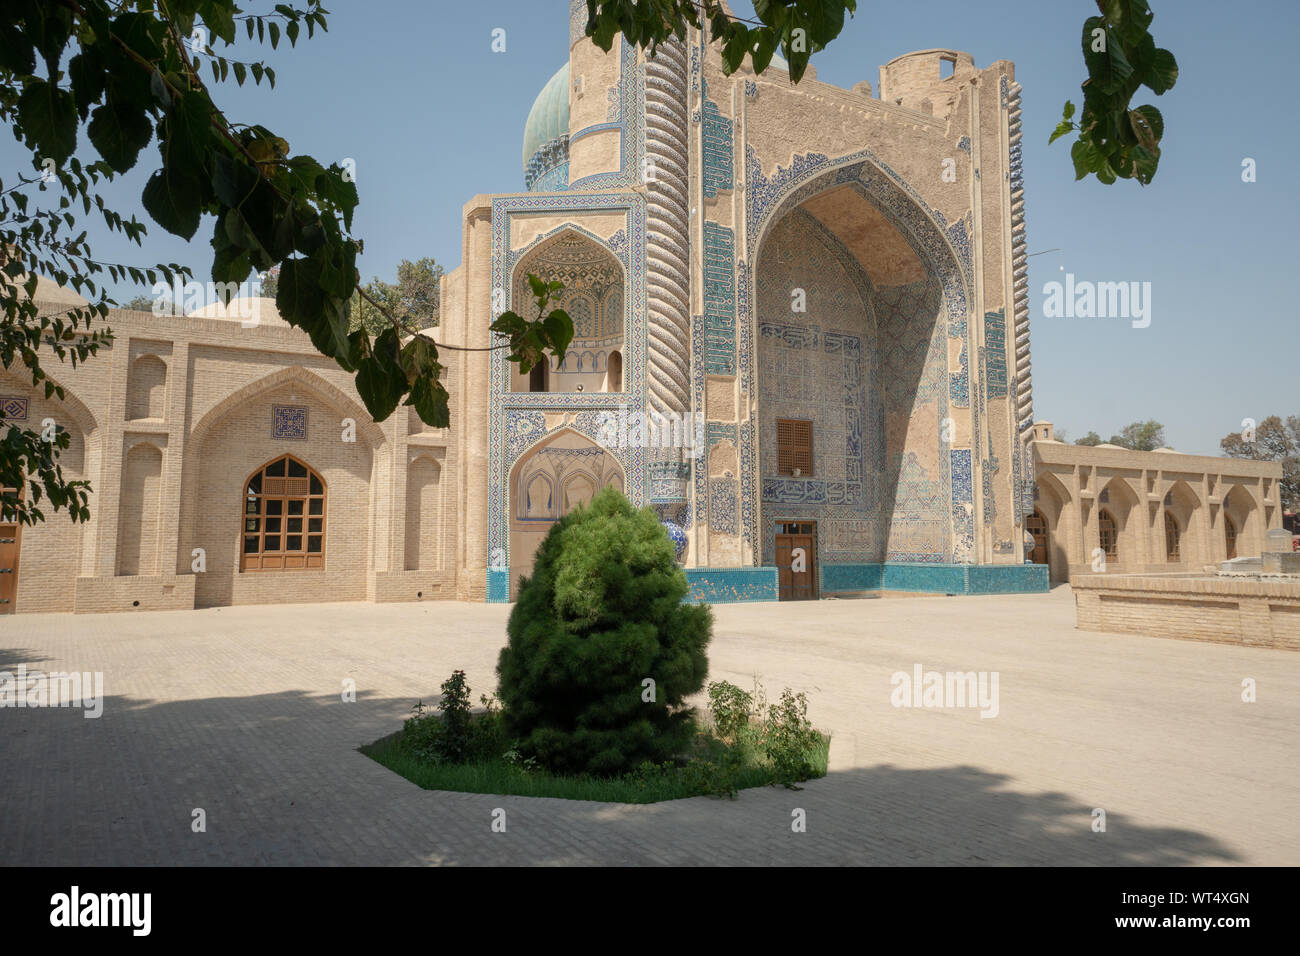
333,188
173,199
47,116
764,47
508,323
1087,158
87,77
1130,18
380,381
16,52
1163,72
559,328
429,398
119,131
1148,125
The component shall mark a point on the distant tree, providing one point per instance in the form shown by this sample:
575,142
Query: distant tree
1273,440
1062,435
1092,438
271,282
414,299
141,303
1141,436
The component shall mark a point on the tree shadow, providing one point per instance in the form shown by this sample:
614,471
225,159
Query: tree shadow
279,782
11,657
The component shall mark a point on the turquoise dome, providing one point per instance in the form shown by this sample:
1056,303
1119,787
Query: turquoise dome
549,117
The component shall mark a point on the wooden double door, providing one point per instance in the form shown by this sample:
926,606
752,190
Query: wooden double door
796,560
10,539
1036,525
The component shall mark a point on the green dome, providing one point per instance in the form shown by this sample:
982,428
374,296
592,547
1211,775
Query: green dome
549,116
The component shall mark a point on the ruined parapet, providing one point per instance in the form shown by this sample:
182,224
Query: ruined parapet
917,80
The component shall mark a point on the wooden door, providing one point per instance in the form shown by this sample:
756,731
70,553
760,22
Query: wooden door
796,560
10,540
1036,525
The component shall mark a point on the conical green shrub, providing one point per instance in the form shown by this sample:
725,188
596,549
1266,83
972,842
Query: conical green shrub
602,612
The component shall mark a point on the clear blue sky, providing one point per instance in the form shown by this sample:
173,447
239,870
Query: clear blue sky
413,93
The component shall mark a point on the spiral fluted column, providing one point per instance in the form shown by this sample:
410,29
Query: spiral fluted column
667,225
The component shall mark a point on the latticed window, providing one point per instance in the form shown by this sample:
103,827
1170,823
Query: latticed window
1172,536
283,518
794,447
1108,534
1230,535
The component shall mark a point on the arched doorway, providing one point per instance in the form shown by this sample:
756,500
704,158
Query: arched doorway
562,473
594,298
1036,525
862,354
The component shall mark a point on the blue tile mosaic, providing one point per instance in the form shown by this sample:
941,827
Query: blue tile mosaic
935,578
498,585
720,299
731,585
289,422
995,347
716,147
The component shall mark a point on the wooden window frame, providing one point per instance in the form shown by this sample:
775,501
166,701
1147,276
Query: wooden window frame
796,449
282,559
1111,552
1173,554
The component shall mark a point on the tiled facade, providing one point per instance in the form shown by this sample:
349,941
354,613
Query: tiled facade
735,250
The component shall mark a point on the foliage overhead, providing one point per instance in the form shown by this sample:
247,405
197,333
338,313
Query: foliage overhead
799,28
1117,140
601,614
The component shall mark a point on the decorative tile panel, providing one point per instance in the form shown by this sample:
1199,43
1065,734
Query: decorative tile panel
995,344
720,299
13,408
289,422
717,148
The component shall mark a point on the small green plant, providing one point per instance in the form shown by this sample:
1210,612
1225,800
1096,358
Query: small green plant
789,738
455,709
750,744
730,708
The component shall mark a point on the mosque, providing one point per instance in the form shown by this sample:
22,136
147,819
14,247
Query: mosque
818,295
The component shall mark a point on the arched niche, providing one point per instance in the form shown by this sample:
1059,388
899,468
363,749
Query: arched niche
562,472
593,295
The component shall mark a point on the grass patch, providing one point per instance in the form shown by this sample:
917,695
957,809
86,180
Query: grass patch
718,768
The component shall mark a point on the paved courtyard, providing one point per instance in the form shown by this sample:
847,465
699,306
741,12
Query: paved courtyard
238,711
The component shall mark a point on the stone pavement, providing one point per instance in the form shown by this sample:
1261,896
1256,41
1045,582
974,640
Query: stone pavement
238,711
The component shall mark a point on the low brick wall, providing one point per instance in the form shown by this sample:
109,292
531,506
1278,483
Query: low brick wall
1263,613
157,592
